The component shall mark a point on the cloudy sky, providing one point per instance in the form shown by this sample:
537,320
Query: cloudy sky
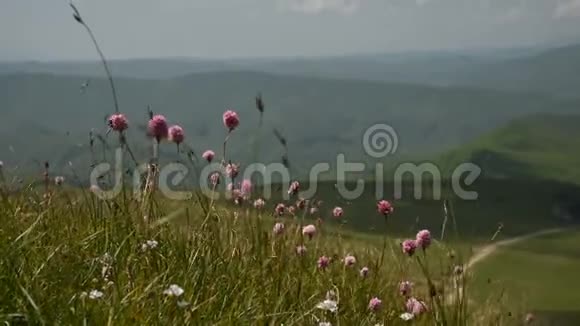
45,30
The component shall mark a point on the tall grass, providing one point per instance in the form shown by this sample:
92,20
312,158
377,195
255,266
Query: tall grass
70,258
233,269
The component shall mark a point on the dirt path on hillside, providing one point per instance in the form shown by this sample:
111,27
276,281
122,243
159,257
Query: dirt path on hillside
487,250
484,252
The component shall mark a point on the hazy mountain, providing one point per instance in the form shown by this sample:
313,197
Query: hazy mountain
416,67
133,68
49,117
551,71
408,67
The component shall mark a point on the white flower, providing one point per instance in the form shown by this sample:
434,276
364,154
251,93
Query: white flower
324,323
95,294
328,305
407,316
173,291
149,244
59,180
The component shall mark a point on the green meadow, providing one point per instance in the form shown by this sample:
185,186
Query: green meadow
409,249
539,273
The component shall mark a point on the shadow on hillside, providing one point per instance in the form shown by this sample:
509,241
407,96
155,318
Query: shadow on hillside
514,206
558,318
511,206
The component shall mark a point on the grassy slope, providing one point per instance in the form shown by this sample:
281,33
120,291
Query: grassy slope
56,248
539,146
232,268
541,273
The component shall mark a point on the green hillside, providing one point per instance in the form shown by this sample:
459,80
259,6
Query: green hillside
540,146
521,268
47,117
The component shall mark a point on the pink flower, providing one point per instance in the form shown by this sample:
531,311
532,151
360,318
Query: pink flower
278,228
409,247
529,318
301,203
364,272
158,127
95,189
232,170
423,239
375,304
323,262
208,155
300,250
280,208
337,212
415,306
246,188
291,210
237,196
118,122
176,134
259,203
214,179
349,260
231,120
405,288
384,207
309,230
294,187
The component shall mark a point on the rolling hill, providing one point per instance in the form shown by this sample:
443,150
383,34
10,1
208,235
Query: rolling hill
544,70
552,71
47,117
541,146
416,67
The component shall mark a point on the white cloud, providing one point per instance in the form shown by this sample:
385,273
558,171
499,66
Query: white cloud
568,8
313,7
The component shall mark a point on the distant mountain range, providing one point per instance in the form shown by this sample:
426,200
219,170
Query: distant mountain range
435,101
48,117
552,71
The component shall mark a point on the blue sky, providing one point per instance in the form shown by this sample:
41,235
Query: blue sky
44,29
